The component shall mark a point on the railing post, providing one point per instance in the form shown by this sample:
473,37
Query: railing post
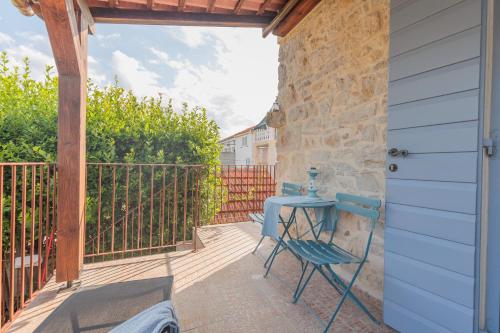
1,248
196,213
127,179
99,198
184,224
174,219
139,211
151,208
13,200
40,228
23,232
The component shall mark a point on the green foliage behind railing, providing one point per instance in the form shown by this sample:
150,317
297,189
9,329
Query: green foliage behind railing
121,126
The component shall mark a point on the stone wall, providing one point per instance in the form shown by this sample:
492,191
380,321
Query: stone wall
333,89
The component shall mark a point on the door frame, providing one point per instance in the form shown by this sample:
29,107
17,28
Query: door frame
489,50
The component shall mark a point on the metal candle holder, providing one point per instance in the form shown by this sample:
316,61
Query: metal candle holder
312,189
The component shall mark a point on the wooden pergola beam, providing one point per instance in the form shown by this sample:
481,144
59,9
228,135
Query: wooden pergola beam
263,7
295,16
84,8
64,37
68,38
118,16
280,17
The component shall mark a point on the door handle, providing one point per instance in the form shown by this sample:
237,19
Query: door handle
395,152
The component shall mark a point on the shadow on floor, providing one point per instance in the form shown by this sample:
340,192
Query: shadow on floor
99,309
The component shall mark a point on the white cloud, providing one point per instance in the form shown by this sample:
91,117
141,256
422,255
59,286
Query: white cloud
188,36
37,38
108,36
133,75
5,39
163,57
32,37
38,59
94,71
239,87
107,40
92,60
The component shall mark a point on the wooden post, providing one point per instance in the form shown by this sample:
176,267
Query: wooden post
68,31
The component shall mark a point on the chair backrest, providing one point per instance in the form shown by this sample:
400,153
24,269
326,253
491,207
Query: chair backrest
361,206
290,189
358,205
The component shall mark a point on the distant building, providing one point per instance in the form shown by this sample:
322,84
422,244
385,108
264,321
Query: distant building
264,147
228,154
254,145
238,148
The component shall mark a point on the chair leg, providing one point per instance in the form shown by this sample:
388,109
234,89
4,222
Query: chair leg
347,292
275,249
333,283
261,239
300,280
353,297
297,296
281,242
273,255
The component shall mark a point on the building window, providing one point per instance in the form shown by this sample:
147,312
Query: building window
247,161
244,141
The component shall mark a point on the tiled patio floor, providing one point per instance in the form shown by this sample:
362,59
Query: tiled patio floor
221,289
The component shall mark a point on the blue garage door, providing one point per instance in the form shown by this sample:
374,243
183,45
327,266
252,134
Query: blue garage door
431,193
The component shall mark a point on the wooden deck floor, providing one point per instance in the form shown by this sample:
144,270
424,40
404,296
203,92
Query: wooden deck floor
220,288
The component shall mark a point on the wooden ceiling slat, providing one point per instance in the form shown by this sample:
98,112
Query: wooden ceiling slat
182,5
264,6
237,8
211,5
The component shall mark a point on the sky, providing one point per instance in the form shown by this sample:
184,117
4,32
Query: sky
233,72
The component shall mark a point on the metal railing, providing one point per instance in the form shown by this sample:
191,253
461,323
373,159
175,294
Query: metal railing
27,229
131,209
137,209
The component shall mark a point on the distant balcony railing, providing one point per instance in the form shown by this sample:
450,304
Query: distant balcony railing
27,227
265,134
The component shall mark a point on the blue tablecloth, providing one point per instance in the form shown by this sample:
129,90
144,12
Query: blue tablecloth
272,208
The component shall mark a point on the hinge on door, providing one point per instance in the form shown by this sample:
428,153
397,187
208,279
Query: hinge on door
489,147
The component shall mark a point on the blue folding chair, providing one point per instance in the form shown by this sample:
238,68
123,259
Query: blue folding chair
322,256
287,189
